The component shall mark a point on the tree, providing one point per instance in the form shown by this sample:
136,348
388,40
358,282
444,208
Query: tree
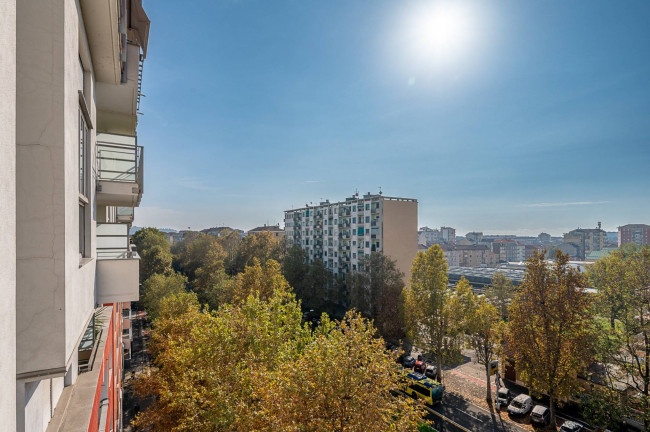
376,293
485,335
256,280
153,248
500,293
623,282
263,246
159,286
295,267
341,382
146,238
431,323
550,327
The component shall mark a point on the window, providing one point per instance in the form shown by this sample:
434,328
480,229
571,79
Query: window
367,219
367,206
83,183
82,229
354,208
367,231
354,220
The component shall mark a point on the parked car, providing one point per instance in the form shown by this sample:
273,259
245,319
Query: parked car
571,426
520,406
540,415
503,398
431,371
408,361
420,366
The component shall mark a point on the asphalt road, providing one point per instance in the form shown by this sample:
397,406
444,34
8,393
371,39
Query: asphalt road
468,416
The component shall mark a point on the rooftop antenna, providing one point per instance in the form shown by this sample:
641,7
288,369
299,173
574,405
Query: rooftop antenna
379,190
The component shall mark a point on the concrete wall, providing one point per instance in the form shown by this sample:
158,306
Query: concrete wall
8,214
400,233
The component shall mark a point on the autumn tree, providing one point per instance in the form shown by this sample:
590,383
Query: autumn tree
431,325
256,280
159,286
146,238
500,293
623,282
485,331
550,327
252,366
341,382
263,246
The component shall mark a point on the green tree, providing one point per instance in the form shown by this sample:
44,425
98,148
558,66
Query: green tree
295,268
431,325
256,280
159,286
550,329
146,238
155,260
500,293
623,282
376,293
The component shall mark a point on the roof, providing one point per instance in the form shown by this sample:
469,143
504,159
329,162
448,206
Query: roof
266,228
635,226
596,255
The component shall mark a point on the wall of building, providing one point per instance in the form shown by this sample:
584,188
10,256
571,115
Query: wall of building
400,233
8,214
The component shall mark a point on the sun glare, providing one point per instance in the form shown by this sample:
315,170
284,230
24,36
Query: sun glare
439,34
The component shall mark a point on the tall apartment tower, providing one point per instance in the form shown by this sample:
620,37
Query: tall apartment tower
634,233
70,175
341,234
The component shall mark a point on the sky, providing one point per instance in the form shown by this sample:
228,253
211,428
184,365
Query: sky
502,116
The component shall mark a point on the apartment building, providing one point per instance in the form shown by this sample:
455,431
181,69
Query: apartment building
469,255
70,176
634,233
342,234
275,230
509,250
448,234
586,240
428,236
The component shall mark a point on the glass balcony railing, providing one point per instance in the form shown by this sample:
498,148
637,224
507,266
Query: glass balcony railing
119,170
118,273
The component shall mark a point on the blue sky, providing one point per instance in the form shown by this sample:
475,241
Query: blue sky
520,117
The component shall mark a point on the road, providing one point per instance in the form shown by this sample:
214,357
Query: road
468,416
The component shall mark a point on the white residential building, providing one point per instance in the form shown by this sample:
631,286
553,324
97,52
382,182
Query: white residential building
70,175
342,234
428,236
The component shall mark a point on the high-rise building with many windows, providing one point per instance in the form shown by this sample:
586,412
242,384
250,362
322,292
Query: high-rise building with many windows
342,234
71,173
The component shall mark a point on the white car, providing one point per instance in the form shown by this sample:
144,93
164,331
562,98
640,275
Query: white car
520,406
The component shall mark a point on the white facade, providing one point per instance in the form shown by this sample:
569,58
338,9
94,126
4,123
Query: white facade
342,234
52,67
448,235
8,214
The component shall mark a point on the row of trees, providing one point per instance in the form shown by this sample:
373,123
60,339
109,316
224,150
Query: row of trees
253,365
552,327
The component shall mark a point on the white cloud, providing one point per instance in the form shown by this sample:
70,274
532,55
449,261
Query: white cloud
196,183
563,204
312,181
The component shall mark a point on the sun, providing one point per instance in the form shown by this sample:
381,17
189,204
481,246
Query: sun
439,33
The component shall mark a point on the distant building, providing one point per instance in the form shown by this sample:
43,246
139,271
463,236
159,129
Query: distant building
569,249
634,233
530,250
277,232
544,238
173,237
586,240
469,255
474,237
448,235
509,250
596,255
342,234
221,231
428,236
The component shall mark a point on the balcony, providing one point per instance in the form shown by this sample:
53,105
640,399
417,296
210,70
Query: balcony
118,273
120,170
125,214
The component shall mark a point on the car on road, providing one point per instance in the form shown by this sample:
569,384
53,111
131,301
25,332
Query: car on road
431,371
420,366
571,426
540,415
408,361
503,397
520,406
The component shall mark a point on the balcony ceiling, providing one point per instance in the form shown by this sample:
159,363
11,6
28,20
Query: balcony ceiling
100,21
